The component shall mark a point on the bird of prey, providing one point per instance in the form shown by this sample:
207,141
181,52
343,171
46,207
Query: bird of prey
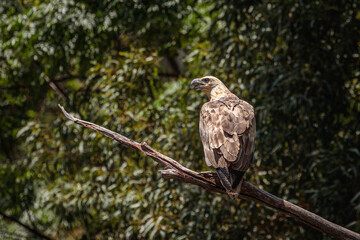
227,130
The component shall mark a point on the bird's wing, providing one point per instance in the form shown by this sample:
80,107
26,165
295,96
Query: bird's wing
227,130
207,127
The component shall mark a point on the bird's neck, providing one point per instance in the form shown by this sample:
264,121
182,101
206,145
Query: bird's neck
217,93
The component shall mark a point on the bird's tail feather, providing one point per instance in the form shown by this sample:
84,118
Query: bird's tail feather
237,178
225,178
231,181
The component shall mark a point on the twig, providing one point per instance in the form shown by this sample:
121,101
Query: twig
210,181
56,88
30,229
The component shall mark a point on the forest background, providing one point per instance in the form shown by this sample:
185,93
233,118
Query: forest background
127,65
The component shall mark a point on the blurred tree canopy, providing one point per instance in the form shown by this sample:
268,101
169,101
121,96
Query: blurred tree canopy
127,65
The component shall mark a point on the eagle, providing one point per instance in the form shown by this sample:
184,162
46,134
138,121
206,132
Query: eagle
227,130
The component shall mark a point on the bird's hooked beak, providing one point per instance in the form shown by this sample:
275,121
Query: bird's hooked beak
197,84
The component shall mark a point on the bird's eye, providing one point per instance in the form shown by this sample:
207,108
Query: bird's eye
206,80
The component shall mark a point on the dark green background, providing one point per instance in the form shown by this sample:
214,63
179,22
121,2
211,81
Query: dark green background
127,65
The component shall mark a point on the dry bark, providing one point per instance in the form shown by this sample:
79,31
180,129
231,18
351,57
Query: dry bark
210,181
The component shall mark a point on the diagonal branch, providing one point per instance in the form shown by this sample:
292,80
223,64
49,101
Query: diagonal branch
30,229
56,88
210,181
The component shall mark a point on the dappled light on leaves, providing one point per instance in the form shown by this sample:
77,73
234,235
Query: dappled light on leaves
127,65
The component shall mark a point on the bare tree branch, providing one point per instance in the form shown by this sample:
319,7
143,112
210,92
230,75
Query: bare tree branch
30,229
56,88
210,181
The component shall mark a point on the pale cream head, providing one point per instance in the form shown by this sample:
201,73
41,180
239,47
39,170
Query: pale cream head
211,86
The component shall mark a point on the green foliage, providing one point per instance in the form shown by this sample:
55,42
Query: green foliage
127,65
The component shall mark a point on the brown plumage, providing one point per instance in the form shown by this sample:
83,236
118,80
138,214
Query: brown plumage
227,130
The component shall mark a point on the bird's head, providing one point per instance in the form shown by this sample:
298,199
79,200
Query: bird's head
205,83
210,85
